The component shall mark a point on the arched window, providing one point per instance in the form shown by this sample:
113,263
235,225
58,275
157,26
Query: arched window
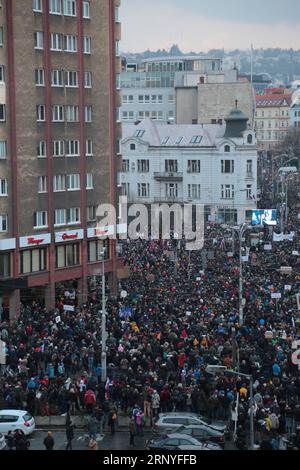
250,139
227,148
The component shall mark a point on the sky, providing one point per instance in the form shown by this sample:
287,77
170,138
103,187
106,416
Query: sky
200,25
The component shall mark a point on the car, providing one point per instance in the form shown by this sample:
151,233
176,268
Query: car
13,420
174,441
169,421
2,442
203,433
204,446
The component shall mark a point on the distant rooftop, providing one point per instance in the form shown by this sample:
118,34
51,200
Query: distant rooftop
180,58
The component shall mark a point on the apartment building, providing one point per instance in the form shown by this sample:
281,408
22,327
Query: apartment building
58,132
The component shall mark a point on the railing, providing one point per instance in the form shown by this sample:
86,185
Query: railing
170,175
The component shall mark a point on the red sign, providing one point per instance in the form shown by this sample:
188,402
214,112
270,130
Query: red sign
65,236
35,241
99,231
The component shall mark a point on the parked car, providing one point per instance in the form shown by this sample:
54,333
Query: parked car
2,442
203,433
12,420
204,446
174,441
169,421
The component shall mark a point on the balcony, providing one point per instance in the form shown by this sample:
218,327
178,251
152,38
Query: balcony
168,199
168,176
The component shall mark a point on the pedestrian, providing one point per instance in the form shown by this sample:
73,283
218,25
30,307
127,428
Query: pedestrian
93,445
69,435
10,440
131,432
49,441
112,419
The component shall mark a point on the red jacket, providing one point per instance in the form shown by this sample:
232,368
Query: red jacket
89,397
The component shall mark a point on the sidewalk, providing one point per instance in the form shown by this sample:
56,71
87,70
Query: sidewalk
60,421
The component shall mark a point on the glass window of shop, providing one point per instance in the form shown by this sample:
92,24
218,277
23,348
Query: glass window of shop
67,255
95,250
5,270
32,261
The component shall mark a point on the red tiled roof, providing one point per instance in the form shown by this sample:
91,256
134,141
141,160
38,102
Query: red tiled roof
273,100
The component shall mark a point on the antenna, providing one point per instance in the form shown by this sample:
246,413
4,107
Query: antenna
251,64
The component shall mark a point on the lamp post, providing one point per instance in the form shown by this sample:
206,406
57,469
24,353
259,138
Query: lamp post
242,229
103,325
215,370
284,173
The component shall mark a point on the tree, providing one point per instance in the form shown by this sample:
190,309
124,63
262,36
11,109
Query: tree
290,147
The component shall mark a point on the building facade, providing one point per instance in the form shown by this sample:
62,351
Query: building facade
213,165
150,91
295,110
272,119
59,60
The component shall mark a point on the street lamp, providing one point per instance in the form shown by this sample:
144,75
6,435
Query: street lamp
284,173
242,229
215,370
103,323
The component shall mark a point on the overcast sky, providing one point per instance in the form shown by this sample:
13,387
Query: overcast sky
200,25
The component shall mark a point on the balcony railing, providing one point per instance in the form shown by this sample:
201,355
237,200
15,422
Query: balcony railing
168,176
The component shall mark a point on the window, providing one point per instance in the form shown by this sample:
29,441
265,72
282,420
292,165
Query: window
227,149
194,191
2,112
171,115
91,213
39,40
40,219
3,187
32,261
88,79
56,42
57,113
55,7
249,168
72,113
41,149
179,140
3,149
71,79
89,181
227,166
73,182
196,139
59,183
171,166
96,250
67,255
128,116
3,223
58,148
88,113
2,75
73,215
143,189
70,43
86,10
171,99
139,133
125,189
132,147
165,140
37,6
87,44
42,184
70,7
249,191
5,270
227,191
156,99
72,148
171,190
144,99
89,148
143,166
117,48
157,115
39,77
60,217
125,166
127,99
193,166
57,78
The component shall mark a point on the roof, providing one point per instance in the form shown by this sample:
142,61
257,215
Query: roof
175,135
273,100
180,58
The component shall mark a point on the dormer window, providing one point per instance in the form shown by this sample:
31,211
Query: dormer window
132,146
250,139
227,149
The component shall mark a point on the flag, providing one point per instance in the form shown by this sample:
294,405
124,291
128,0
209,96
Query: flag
107,394
223,244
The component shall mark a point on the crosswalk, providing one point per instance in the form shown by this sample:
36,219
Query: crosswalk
85,437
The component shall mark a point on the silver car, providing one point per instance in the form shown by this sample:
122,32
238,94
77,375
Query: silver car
2,442
171,421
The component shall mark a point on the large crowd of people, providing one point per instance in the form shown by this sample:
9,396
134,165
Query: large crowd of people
181,314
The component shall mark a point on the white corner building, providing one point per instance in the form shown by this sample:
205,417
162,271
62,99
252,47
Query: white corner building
214,165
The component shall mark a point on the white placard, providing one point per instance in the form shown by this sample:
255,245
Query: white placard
124,294
287,287
295,253
58,319
245,259
69,308
198,279
230,254
276,295
268,247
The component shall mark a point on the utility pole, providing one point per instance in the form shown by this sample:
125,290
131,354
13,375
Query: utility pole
103,327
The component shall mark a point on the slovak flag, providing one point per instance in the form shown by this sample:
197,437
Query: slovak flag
223,244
